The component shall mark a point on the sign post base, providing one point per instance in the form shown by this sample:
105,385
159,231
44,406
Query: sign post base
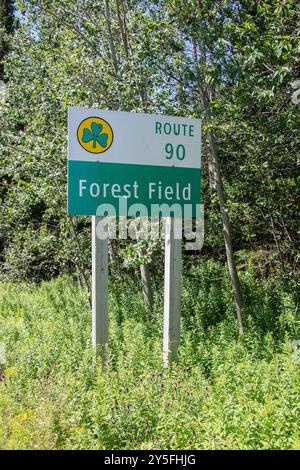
172,292
99,290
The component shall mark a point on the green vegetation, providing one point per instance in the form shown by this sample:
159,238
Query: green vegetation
235,65
156,57
226,392
6,28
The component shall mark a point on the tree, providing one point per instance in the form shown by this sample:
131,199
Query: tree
231,63
6,27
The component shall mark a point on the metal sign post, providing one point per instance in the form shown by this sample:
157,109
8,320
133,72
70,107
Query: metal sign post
172,292
99,290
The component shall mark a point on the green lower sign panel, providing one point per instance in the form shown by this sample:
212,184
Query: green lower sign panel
96,188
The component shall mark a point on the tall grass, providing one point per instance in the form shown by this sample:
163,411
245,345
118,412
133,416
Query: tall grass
224,393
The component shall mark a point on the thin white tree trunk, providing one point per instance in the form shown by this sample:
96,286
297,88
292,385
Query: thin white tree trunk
146,286
144,268
109,34
226,230
122,28
215,173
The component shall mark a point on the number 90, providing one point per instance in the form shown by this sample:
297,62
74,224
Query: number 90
180,151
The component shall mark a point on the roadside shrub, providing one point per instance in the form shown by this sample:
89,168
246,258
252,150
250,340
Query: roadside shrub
225,392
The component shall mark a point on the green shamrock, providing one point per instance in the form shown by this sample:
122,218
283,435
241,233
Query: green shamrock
95,135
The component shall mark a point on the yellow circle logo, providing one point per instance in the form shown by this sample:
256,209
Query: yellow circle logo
95,135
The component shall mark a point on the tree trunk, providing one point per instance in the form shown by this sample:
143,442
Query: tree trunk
146,286
215,174
109,34
122,28
78,262
226,230
144,268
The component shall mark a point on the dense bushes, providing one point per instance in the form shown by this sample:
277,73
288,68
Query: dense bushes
225,392
232,64
248,70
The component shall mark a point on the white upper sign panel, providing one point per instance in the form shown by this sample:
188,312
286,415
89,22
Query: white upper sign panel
133,138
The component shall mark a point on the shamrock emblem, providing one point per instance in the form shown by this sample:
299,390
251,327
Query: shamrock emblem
95,135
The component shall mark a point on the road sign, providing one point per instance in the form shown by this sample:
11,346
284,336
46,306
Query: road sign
129,164
118,159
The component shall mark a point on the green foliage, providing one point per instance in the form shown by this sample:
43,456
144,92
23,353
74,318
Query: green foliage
155,56
6,28
224,393
244,53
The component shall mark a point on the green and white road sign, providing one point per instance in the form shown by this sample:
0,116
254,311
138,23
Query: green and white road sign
122,164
